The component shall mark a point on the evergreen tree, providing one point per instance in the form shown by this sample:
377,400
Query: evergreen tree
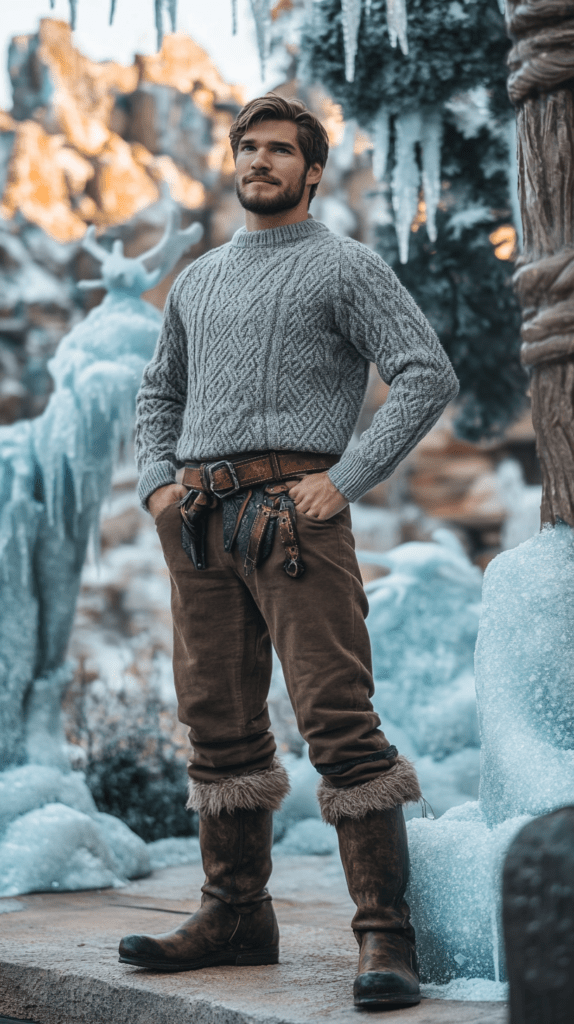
455,72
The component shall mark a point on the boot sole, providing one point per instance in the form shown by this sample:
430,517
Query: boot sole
247,958
383,1001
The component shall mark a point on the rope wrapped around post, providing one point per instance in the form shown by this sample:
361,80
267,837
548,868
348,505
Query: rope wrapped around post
541,64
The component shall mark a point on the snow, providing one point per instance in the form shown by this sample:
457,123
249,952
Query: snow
470,111
58,848
52,836
309,836
167,853
468,989
467,217
423,622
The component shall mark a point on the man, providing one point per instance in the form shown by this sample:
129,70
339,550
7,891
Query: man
255,388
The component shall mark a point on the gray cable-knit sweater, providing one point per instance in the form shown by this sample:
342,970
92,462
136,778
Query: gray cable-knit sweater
266,343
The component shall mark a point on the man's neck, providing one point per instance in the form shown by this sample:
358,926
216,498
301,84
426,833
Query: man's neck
261,222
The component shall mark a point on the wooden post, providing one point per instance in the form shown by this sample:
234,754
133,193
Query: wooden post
541,86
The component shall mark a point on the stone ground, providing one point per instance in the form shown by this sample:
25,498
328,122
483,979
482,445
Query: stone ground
59,964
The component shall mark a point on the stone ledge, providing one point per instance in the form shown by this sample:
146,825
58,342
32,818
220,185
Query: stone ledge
58,959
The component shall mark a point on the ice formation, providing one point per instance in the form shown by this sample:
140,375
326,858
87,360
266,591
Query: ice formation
351,23
522,503
422,127
54,474
405,180
512,172
380,134
524,658
423,622
52,836
397,24
431,140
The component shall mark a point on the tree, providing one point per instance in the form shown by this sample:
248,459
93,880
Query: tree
440,118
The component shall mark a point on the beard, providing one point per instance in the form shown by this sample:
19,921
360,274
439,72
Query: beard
286,199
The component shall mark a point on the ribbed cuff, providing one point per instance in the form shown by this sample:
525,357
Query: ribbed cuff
159,474
353,477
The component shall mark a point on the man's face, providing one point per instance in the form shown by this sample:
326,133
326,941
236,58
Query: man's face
270,170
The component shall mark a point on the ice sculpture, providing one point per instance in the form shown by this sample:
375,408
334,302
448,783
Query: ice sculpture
423,622
526,716
54,473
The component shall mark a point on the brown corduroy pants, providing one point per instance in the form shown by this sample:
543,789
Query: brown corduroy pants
224,626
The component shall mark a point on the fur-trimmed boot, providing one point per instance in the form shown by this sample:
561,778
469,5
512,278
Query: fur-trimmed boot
235,923
373,843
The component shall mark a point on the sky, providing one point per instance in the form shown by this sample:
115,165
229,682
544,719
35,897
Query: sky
133,31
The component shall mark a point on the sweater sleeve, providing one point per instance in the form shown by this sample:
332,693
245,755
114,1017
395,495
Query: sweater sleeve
160,403
379,317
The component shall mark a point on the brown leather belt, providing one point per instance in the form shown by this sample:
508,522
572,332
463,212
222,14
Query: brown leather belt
225,477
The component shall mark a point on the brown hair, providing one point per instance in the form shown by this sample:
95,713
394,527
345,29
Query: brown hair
311,135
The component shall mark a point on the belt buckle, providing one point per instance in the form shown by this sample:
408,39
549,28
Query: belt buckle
210,469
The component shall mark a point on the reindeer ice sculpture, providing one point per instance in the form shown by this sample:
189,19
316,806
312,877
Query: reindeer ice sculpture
54,473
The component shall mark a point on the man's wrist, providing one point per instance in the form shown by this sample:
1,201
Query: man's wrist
158,474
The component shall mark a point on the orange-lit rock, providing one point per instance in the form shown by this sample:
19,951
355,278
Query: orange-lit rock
84,90
122,186
77,157
183,64
37,184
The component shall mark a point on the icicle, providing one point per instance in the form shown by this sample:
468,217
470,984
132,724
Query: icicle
172,8
344,154
380,134
234,17
368,7
397,23
513,179
351,22
431,139
405,183
502,6
52,2
112,11
158,4
73,10
260,9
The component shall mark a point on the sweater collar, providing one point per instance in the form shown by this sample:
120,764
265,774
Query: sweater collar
283,235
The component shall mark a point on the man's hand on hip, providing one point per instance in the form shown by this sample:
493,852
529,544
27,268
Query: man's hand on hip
316,496
165,496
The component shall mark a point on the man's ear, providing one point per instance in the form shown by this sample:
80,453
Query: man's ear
314,174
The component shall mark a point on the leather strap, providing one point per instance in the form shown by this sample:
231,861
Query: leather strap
258,531
224,477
